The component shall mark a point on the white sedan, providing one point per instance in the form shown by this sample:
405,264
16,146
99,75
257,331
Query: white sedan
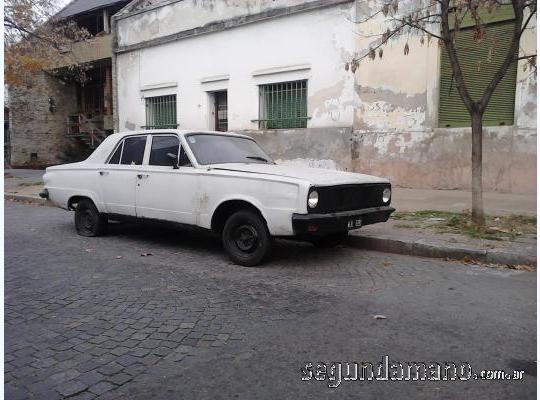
223,182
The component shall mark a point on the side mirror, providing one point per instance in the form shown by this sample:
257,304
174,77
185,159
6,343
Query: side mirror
174,160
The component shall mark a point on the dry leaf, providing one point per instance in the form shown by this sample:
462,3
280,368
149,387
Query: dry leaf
523,267
495,229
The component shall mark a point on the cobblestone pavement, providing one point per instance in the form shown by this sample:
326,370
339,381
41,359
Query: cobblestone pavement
148,312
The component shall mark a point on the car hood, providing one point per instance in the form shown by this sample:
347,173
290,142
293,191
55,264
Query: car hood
316,176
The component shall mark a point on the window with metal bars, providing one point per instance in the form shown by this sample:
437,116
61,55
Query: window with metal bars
283,105
161,112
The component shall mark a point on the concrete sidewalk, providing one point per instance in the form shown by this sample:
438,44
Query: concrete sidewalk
24,185
458,200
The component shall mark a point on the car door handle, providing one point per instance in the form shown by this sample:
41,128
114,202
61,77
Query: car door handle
103,173
140,176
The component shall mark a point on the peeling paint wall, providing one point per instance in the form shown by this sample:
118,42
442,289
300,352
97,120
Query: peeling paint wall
240,59
382,120
396,131
170,17
327,148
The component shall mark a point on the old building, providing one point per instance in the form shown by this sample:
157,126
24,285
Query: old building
275,69
54,119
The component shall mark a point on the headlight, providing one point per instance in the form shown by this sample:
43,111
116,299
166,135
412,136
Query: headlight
386,195
313,199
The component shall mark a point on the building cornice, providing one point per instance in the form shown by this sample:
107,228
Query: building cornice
225,24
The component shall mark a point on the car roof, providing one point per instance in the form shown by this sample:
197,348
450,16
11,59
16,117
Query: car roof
182,132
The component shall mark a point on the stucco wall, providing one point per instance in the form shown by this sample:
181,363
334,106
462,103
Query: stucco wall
169,17
382,120
34,128
238,60
396,130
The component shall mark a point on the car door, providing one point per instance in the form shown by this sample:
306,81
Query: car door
118,178
163,192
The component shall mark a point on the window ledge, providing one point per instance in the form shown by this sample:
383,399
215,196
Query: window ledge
163,85
277,70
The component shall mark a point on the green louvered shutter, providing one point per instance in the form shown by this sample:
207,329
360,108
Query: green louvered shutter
479,62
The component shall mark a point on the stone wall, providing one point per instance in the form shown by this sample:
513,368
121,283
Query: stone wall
38,134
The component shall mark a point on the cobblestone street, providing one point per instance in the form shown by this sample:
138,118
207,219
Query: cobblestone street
148,312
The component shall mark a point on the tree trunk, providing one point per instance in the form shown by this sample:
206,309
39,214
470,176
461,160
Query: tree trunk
477,201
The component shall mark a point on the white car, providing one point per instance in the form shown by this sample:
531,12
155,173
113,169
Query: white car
220,181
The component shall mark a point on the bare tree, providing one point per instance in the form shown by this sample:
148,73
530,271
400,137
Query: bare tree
35,40
441,20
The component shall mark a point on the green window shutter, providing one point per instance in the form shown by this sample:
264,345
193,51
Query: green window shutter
502,13
479,62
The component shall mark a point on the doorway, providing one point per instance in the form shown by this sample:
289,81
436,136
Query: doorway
220,111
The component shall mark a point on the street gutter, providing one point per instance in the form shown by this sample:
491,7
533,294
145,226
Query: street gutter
430,249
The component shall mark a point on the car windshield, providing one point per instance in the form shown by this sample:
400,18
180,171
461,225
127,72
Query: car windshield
221,149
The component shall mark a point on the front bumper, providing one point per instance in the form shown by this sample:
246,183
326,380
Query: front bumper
323,224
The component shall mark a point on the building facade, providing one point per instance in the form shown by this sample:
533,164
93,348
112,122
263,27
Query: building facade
276,70
54,119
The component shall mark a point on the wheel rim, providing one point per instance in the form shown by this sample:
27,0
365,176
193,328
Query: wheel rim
246,238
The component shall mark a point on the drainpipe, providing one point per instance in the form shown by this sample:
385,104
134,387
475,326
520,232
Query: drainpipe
114,76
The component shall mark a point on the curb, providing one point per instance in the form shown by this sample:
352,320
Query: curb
27,199
386,244
424,248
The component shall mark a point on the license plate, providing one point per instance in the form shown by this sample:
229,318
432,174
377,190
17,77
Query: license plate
354,223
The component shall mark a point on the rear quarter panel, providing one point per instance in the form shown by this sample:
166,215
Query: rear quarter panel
66,181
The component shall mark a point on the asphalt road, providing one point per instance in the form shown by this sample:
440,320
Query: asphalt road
148,312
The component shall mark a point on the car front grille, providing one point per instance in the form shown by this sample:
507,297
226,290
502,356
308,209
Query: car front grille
349,197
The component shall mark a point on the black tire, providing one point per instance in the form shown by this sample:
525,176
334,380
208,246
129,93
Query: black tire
329,241
246,238
88,221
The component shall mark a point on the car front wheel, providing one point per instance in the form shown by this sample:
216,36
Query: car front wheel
246,238
88,221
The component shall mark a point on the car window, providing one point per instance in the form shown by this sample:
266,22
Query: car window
115,159
218,149
133,152
161,146
183,160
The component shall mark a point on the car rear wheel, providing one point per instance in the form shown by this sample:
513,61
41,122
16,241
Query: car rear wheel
246,238
328,241
88,220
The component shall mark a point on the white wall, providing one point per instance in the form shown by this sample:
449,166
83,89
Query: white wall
313,45
169,17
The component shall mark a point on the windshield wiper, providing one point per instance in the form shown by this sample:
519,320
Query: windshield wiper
257,158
